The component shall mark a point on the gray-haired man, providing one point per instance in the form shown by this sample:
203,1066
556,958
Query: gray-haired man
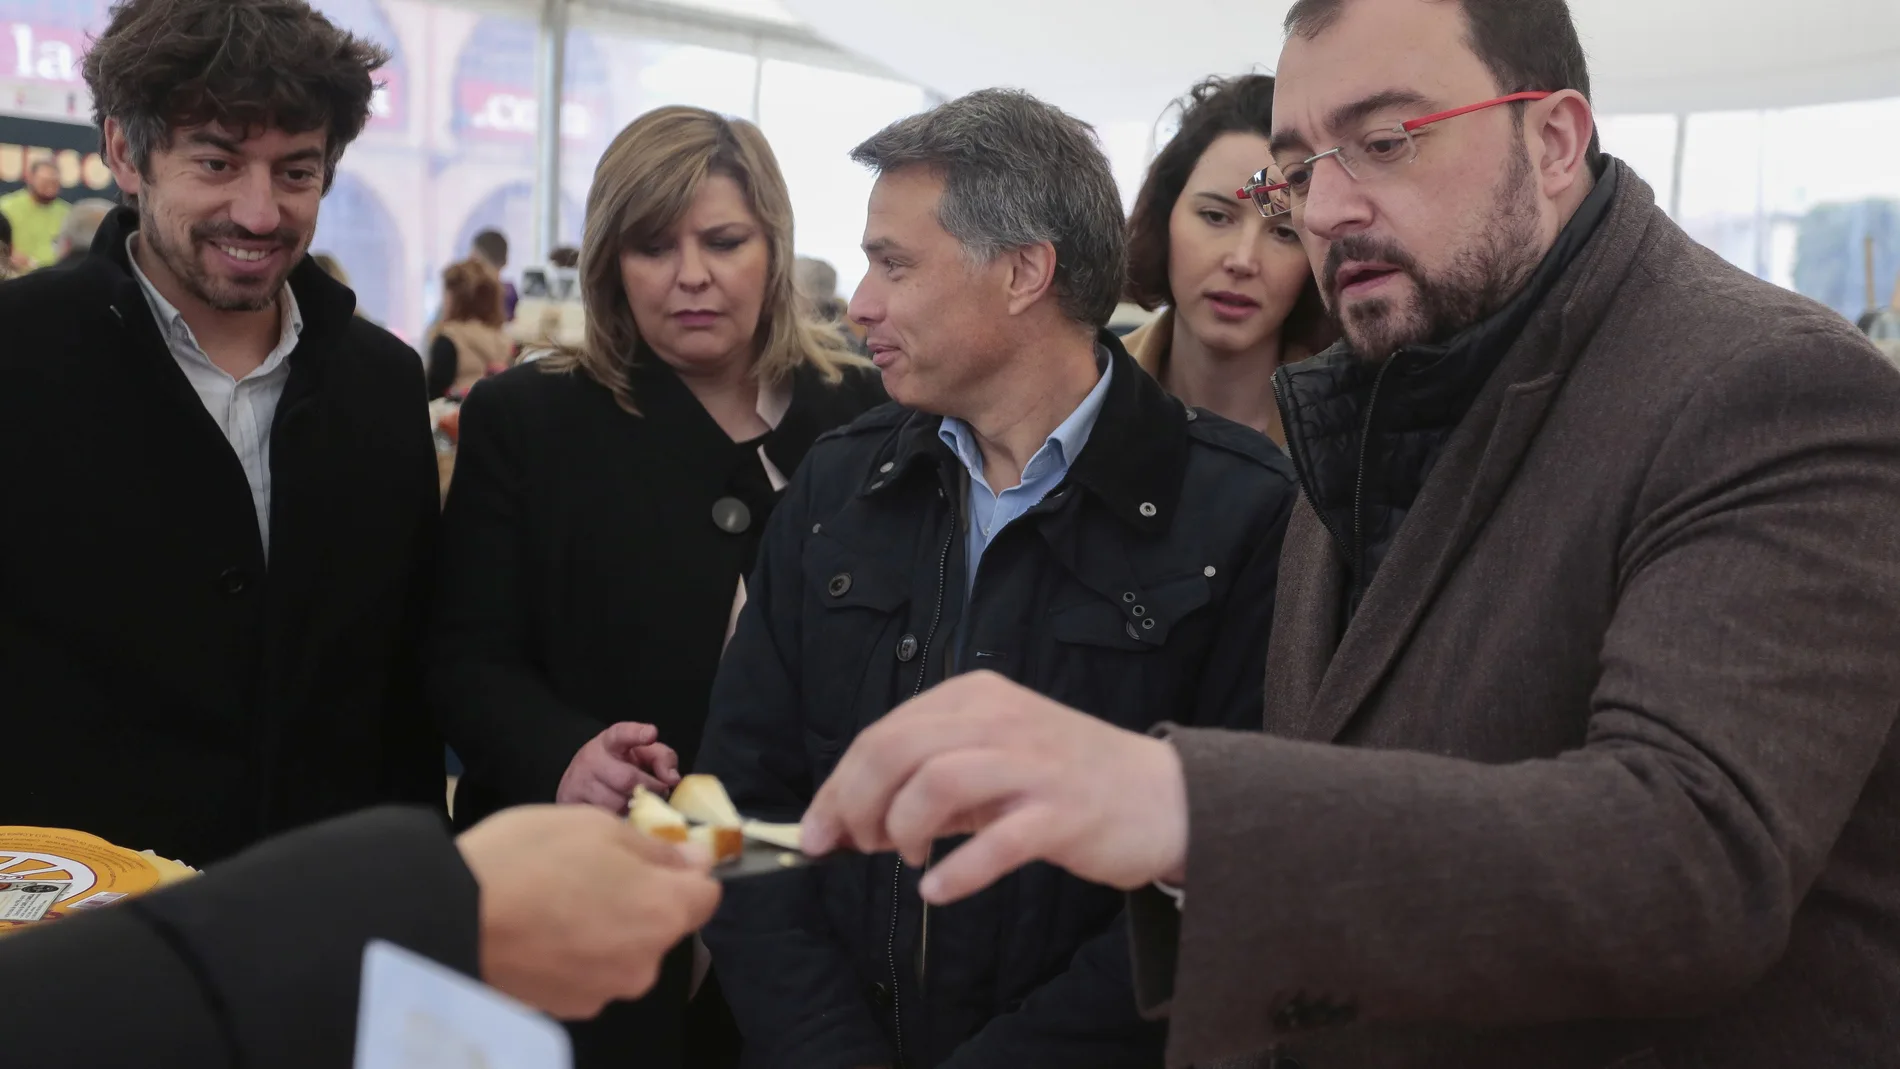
1033,505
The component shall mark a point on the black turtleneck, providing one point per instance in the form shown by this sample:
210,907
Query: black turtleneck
1365,436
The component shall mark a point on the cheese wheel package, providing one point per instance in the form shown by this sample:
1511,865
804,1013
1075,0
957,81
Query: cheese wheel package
48,873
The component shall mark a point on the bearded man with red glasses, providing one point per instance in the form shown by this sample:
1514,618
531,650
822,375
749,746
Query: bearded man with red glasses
1582,680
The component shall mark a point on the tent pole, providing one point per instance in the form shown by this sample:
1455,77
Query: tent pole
1675,176
550,76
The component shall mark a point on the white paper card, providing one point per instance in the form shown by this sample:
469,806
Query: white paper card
416,1014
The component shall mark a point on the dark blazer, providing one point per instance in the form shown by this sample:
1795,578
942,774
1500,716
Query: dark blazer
584,581
253,963
182,696
1141,587
1603,771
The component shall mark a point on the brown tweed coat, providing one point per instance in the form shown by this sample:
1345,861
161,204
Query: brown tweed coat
1602,773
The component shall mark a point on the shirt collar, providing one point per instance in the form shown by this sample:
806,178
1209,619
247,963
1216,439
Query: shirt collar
171,322
1134,468
1059,450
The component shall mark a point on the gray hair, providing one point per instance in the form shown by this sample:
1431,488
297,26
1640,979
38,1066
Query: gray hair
1017,172
82,223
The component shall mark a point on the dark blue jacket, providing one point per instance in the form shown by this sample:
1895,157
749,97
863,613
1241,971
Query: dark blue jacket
1140,590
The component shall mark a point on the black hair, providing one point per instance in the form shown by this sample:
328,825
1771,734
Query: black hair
1526,45
245,64
1214,107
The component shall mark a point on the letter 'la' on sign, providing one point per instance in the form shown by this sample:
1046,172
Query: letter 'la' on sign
41,54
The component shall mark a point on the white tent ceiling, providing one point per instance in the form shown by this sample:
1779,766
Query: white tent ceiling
1122,60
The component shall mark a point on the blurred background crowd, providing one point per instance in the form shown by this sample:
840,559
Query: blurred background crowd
1767,134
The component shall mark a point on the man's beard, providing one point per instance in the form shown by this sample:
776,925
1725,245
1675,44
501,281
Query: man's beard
187,266
1480,279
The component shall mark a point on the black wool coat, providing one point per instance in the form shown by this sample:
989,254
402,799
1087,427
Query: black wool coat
251,964
585,581
168,689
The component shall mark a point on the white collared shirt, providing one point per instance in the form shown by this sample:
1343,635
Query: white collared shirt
242,409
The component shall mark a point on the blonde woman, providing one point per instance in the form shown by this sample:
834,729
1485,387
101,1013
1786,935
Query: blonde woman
608,499
467,344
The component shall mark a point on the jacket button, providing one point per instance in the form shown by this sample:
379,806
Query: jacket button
1148,509
234,581
731,515
907,648
840,585
881,994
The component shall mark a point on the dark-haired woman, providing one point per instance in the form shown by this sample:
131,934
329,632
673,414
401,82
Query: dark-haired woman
1238,292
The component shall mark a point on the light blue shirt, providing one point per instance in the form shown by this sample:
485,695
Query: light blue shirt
988,512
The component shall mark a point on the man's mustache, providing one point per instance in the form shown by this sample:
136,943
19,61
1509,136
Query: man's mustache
1363,249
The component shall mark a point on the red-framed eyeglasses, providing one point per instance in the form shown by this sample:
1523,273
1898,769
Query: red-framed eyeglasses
1278,190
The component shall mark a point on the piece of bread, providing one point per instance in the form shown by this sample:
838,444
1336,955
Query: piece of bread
704,801
725,844
650,813
783,836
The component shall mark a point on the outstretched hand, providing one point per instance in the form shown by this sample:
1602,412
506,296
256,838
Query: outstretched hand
1029,779
577,908
614,762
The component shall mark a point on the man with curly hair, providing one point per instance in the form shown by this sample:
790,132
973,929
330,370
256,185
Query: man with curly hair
219,482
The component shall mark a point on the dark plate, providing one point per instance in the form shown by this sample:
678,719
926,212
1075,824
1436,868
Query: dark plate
760,859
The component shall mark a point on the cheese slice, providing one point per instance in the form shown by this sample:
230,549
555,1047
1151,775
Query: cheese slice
783,836
650,813
704,801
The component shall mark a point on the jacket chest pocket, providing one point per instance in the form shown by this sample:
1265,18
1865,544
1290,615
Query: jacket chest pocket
1133,621
1126,657
854,641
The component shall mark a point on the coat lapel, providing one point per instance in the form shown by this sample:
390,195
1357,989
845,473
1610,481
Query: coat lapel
1306,622
312,469
304,466
1471,477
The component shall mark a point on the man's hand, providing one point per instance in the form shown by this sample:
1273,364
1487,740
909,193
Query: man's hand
577,908
1030,779
607,769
